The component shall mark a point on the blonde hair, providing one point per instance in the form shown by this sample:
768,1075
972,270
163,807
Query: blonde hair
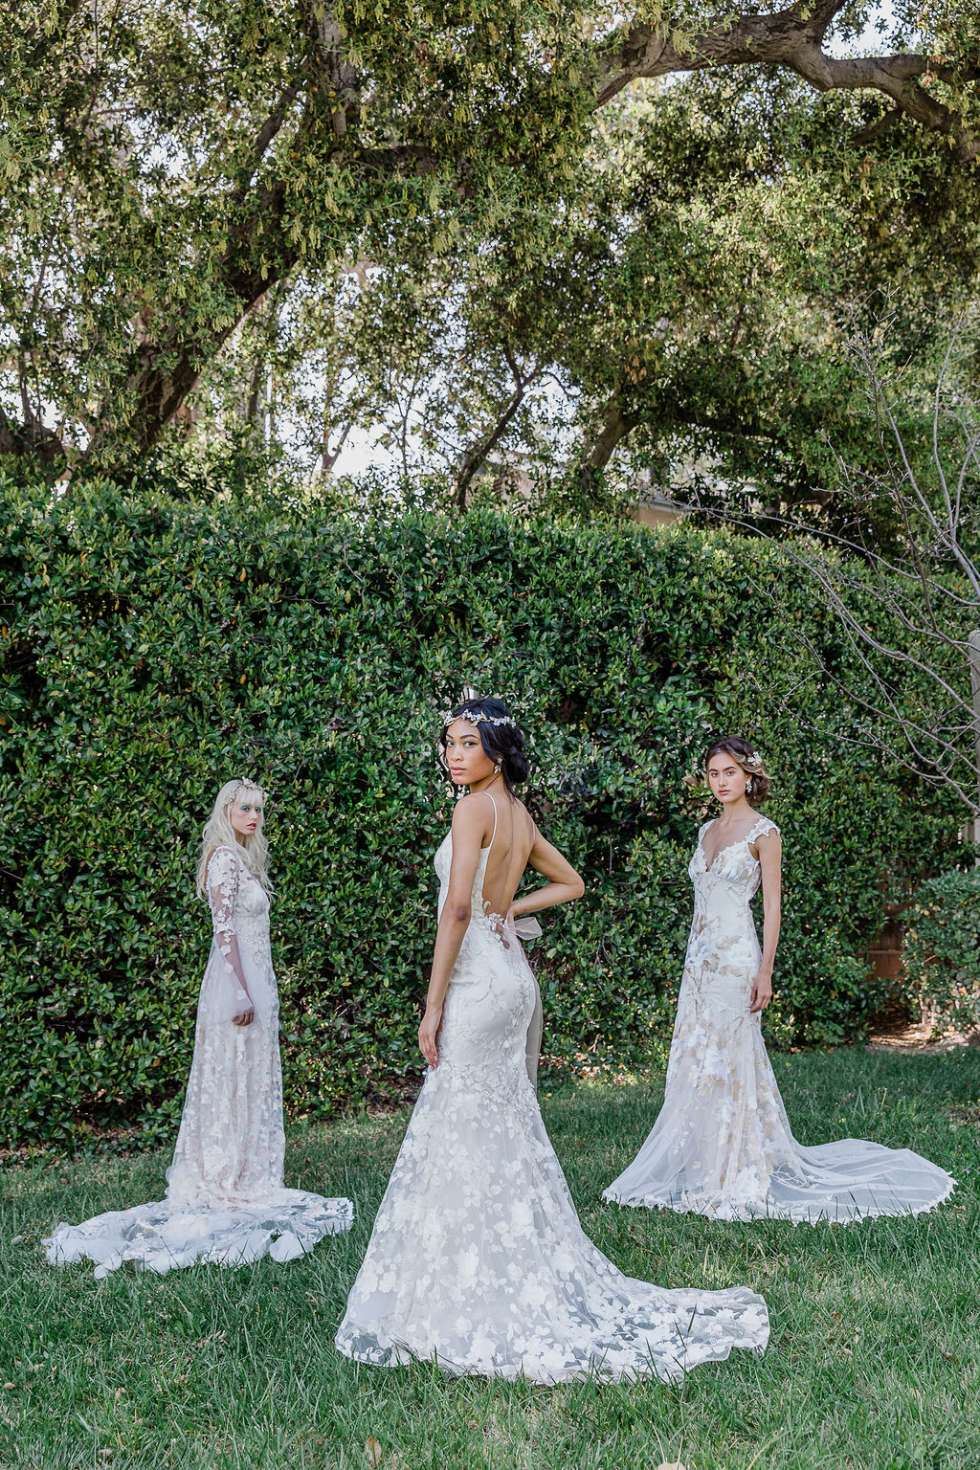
218,832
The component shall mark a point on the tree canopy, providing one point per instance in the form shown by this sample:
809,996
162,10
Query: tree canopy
198,196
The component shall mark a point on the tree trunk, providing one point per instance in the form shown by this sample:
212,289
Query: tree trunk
617,425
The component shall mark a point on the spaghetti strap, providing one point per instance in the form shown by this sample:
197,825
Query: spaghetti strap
494,832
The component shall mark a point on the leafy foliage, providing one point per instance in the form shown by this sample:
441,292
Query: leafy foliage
942,947
154,645
169,170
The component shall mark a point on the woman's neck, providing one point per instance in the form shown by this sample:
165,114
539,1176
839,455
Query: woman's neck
733,813
485,782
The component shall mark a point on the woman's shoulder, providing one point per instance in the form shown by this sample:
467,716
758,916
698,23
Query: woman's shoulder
223,856
474,806
763,826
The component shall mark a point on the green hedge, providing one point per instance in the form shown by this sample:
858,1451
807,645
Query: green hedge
941,952
152,647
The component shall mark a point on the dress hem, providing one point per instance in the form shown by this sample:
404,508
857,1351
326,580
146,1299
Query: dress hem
747,1212
218,1235
401,1356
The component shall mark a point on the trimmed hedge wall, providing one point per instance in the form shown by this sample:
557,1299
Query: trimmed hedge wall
154,647
941,953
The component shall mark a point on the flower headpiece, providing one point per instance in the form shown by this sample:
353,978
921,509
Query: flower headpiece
244,783
476,717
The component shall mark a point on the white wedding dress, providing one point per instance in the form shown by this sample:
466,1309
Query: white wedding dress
722,1145
477,1259
225,1200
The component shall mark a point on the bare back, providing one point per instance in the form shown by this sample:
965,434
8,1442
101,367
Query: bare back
514,844
512,838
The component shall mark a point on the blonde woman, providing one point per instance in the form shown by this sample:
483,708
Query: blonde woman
722,1144
225,1198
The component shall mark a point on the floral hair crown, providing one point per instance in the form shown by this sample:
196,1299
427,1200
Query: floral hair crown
245,783
475,717
754,761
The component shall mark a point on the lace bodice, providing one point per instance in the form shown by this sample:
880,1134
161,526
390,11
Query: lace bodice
237,899
240,922
733,867
479,906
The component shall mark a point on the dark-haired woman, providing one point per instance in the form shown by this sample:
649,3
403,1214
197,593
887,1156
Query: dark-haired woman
722,1145
477,1260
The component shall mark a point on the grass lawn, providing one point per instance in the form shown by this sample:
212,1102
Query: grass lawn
872,1364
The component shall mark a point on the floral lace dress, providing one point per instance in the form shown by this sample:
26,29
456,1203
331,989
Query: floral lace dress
477,1259
225,1199
722,1144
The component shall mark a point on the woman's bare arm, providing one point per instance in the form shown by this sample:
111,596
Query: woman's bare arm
769,849
563,885
469,828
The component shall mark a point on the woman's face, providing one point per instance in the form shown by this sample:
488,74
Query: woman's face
246,813
465,756
726,778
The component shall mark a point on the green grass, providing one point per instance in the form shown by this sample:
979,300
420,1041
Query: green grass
872,1363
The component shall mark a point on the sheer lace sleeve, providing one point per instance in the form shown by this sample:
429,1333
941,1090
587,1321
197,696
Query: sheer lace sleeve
224,876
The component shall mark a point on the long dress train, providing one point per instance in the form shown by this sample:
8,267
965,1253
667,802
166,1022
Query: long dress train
722,1144
477,1259
225,1200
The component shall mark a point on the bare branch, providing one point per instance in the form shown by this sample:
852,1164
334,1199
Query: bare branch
940,745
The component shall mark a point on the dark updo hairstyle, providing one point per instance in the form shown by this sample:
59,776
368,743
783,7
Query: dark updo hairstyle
749,759
503,743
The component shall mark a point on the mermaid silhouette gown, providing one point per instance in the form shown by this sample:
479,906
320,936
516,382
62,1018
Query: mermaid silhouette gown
477,1259
225,1200
722,1145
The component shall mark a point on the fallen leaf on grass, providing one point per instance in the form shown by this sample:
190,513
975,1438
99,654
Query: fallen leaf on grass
372,1452
671,1465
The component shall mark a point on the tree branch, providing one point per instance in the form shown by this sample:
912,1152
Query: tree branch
265,137
477,453
792,38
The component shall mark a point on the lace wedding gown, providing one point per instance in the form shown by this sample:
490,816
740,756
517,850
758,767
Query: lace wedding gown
225,1199
722,1144
477,1259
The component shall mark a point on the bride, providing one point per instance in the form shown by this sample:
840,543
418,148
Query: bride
225,1199
722,1144
477,1260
